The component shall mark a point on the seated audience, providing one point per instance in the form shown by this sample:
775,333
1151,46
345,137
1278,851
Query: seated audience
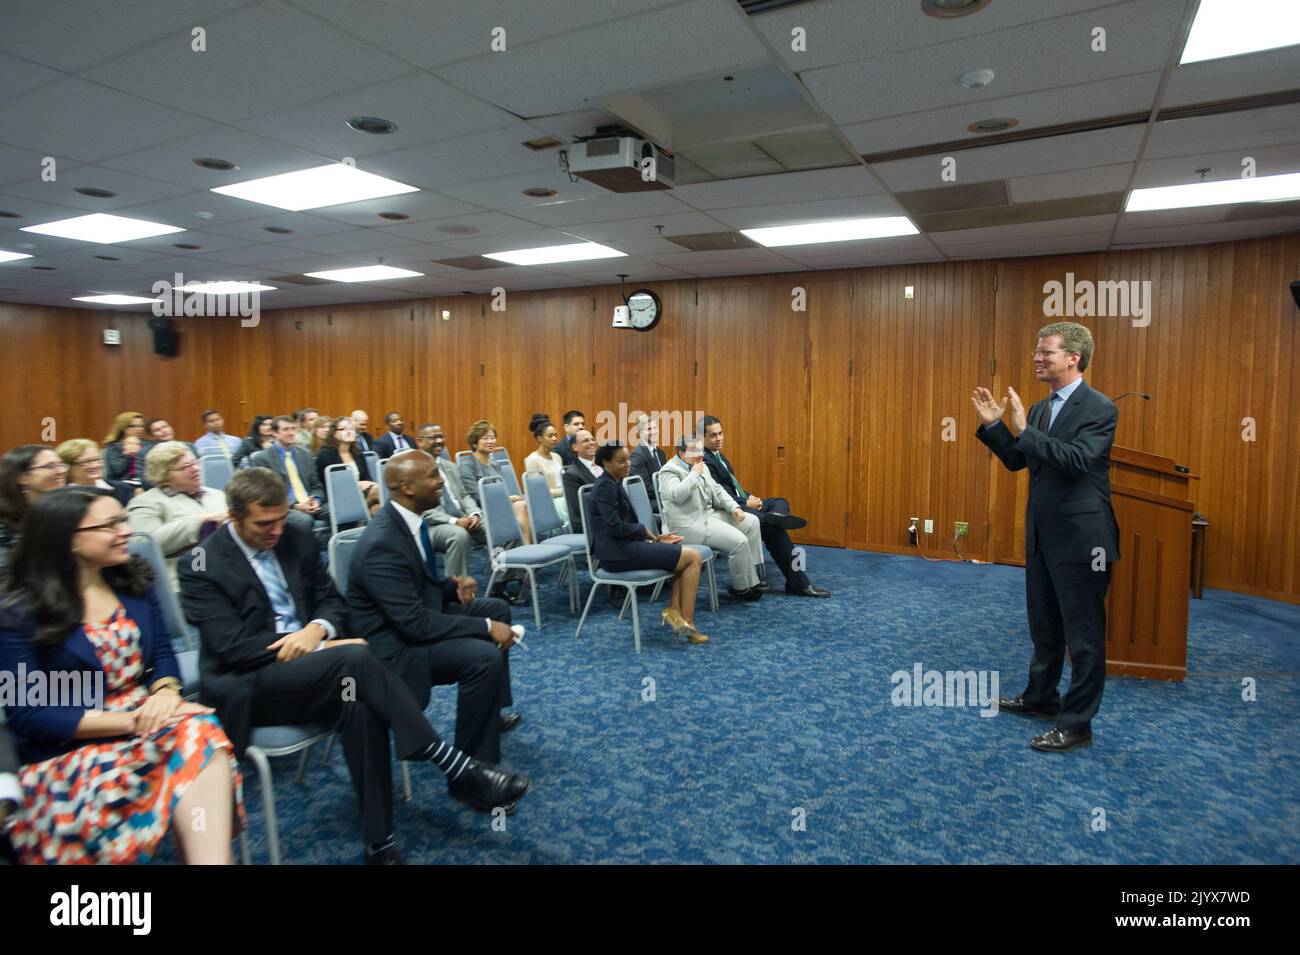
395,439
27,473
260,437
431,630
178,511
263,606
292,462
214,439
452,536
108,775
546,462
584,471
158,431
361,421
125,447
696,507
647,459
305,419
482,440
775,519
86,468
622,544
320,432
340,447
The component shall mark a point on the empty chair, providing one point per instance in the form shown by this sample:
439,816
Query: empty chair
347,503
461,455
629,580
502,529
340,555
268,742
636,493
507,472
545,519
372,461
216,470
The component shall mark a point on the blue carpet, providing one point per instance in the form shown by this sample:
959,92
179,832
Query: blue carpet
787,715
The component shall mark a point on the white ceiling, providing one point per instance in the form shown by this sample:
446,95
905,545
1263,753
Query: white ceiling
116,95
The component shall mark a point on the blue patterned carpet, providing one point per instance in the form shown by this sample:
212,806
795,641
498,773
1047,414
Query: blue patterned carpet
789,708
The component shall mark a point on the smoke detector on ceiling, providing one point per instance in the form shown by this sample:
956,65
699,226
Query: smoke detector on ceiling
977,79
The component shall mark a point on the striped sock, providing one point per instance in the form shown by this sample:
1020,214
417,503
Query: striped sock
447,758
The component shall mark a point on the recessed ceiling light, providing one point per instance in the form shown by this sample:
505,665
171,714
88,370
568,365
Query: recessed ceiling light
103,228
373,124
277,229
1231,27
226,288
454,229
393,216
44,268
364,273
330,185
204,215
575,252
108,258
837,230
9,215
12,256
537,192
95,193
1219,193
113,298
992,125
947,9
187,246
223,165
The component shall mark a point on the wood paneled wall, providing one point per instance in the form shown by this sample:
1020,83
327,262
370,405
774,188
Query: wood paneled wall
842,407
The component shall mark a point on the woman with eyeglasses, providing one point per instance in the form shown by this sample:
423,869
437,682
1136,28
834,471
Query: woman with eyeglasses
86,468
27,473
178,512
620,543
125,447
259,438
120,758
340,447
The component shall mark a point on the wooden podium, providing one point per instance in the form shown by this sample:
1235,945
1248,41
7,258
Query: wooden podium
1146,607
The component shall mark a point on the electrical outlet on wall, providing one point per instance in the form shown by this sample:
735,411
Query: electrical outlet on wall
929,526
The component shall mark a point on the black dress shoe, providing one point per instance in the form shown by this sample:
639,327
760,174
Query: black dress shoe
812,590
510,720
386,856
515,598
761,586
483,788
1017,705
787,521
1057,740
749,595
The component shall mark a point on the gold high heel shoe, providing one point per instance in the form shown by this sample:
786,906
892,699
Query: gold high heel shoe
681,628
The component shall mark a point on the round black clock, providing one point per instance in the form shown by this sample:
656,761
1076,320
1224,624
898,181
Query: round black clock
644,309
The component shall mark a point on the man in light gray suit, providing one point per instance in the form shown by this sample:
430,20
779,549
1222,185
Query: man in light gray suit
452,536
695,506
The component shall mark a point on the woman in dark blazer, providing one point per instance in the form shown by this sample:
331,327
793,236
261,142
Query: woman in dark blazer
620,543
340,447
113,757
125,448
259,437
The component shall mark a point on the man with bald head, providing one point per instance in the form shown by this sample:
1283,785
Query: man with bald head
431,629
365,440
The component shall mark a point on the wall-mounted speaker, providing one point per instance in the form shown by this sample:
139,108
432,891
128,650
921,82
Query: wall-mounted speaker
166,340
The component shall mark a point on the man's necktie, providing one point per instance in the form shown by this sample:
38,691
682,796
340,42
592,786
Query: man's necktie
1054,409
430,555
286,614
295,481
734,483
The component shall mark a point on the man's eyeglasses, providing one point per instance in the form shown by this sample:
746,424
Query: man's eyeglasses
1048,352
114,525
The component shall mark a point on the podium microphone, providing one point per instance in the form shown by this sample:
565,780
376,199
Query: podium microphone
1145,396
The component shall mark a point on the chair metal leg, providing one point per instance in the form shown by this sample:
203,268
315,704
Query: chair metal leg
406,779
654,594
245,857
268,802
713,587
636,620
329,749
302,764
630,595
532,586
595,585
572,571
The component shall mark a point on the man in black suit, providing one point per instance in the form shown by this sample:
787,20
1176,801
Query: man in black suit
394,440
294,464
582,472
273,652
647,458
361,422
11,793
574,421
431,630
1071,536
774,518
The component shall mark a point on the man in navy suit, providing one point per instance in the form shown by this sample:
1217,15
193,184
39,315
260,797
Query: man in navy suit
431,630
394,440
1071,536
289,459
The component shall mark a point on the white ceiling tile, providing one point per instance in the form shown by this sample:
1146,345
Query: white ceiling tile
256,255
1269,161
1113,97
1234,76
1025,59
506,192
870,258
1208,232
1167,217
1245,130
25,166
467,159
754,217
578,69
262,57
782,187
509,242
419,206
1017,248
1064,185
184,210
487,224
1054,229
21,76
255,156
351,241
254,230
1058,154
131,190
603,209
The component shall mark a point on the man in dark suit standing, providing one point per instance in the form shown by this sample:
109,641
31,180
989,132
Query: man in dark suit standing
773,513
431,630
294,464
1071,536
273,652
394,440
647,458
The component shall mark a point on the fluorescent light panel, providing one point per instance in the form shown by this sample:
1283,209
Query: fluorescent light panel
1232,27
330,185
364,273
839,230
114,299
225,288
546,255
12,256
1219,193
103,228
